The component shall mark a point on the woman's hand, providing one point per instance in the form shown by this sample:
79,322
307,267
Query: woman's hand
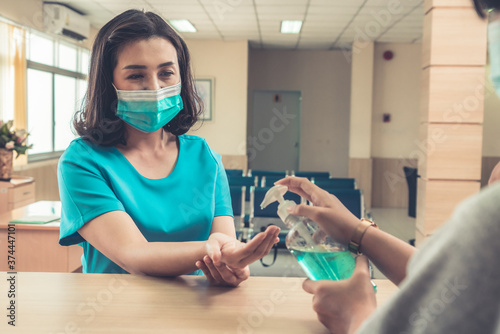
333,217
342,306
228,259
236,254
221,274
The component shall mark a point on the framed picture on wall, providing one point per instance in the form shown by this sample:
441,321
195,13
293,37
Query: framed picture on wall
205,89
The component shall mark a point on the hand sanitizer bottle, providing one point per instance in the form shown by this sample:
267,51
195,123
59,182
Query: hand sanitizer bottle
319,255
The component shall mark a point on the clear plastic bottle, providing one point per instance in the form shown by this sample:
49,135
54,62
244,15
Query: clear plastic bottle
319,255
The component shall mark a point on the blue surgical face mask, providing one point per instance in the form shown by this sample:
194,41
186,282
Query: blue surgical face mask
494,51
149,110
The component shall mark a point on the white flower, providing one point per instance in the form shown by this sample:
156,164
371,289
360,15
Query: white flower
9,145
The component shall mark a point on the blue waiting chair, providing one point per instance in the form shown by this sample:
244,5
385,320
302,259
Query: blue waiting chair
267,173
260,173
234,173
351,198
335,183
310,175
238,204
268,181
246,181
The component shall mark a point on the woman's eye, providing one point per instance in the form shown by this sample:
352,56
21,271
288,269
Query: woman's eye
166,74
134,76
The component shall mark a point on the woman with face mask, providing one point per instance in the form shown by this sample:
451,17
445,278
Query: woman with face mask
451,285
138,194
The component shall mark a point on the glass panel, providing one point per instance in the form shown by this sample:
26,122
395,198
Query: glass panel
41,50
39,96
80,93
67,57
82,89
84,62
65,107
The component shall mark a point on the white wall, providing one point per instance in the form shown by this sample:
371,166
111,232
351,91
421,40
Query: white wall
227,64
396,90
361,100
324,78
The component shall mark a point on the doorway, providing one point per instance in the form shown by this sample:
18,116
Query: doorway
275,139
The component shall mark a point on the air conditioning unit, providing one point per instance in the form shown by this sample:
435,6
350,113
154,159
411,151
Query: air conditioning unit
61,20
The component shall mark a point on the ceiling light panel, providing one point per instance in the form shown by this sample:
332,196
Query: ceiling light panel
182,25
290,27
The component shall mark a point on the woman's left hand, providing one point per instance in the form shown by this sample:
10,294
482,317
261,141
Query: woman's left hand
221,274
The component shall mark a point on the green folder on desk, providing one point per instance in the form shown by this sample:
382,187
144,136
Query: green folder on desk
36,219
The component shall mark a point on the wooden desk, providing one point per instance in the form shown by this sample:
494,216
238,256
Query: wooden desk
37,246
18,192
105,303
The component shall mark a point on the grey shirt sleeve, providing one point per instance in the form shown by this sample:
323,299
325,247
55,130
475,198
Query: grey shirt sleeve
453,280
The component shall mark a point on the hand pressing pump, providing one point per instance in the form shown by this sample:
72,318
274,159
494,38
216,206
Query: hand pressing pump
318,254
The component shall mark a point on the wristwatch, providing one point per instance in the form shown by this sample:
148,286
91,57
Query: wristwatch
358,234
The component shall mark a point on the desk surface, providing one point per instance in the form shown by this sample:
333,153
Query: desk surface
99,303
35,209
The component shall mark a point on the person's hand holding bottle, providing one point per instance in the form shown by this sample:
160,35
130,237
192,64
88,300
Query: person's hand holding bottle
333,217
342,306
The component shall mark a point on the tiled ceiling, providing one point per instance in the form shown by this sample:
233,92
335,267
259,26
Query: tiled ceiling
328,24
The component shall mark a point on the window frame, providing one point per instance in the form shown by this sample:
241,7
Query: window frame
53,70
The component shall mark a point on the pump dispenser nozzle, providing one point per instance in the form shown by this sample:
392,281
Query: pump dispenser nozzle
276,194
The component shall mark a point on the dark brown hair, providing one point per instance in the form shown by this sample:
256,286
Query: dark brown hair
97,120
482,6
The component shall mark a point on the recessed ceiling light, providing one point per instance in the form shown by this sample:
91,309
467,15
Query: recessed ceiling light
183,25
290,27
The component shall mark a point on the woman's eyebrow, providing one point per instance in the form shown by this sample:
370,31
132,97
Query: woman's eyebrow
168,63
134,67
143,67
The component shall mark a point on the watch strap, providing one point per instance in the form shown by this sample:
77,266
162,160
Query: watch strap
359,232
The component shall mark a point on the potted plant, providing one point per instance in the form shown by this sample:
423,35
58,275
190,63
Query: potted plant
10,140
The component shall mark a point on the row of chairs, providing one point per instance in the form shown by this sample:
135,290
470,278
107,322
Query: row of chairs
250,218
268,181
276,174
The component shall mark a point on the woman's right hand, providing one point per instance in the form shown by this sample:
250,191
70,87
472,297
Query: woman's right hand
227,259
333,217
222,248
221,274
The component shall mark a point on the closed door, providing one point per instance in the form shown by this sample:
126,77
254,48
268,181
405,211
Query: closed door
275,140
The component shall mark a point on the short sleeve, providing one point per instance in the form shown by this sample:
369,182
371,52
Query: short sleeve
83,190
222,194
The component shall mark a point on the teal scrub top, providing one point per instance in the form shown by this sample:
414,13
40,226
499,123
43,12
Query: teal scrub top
94,180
